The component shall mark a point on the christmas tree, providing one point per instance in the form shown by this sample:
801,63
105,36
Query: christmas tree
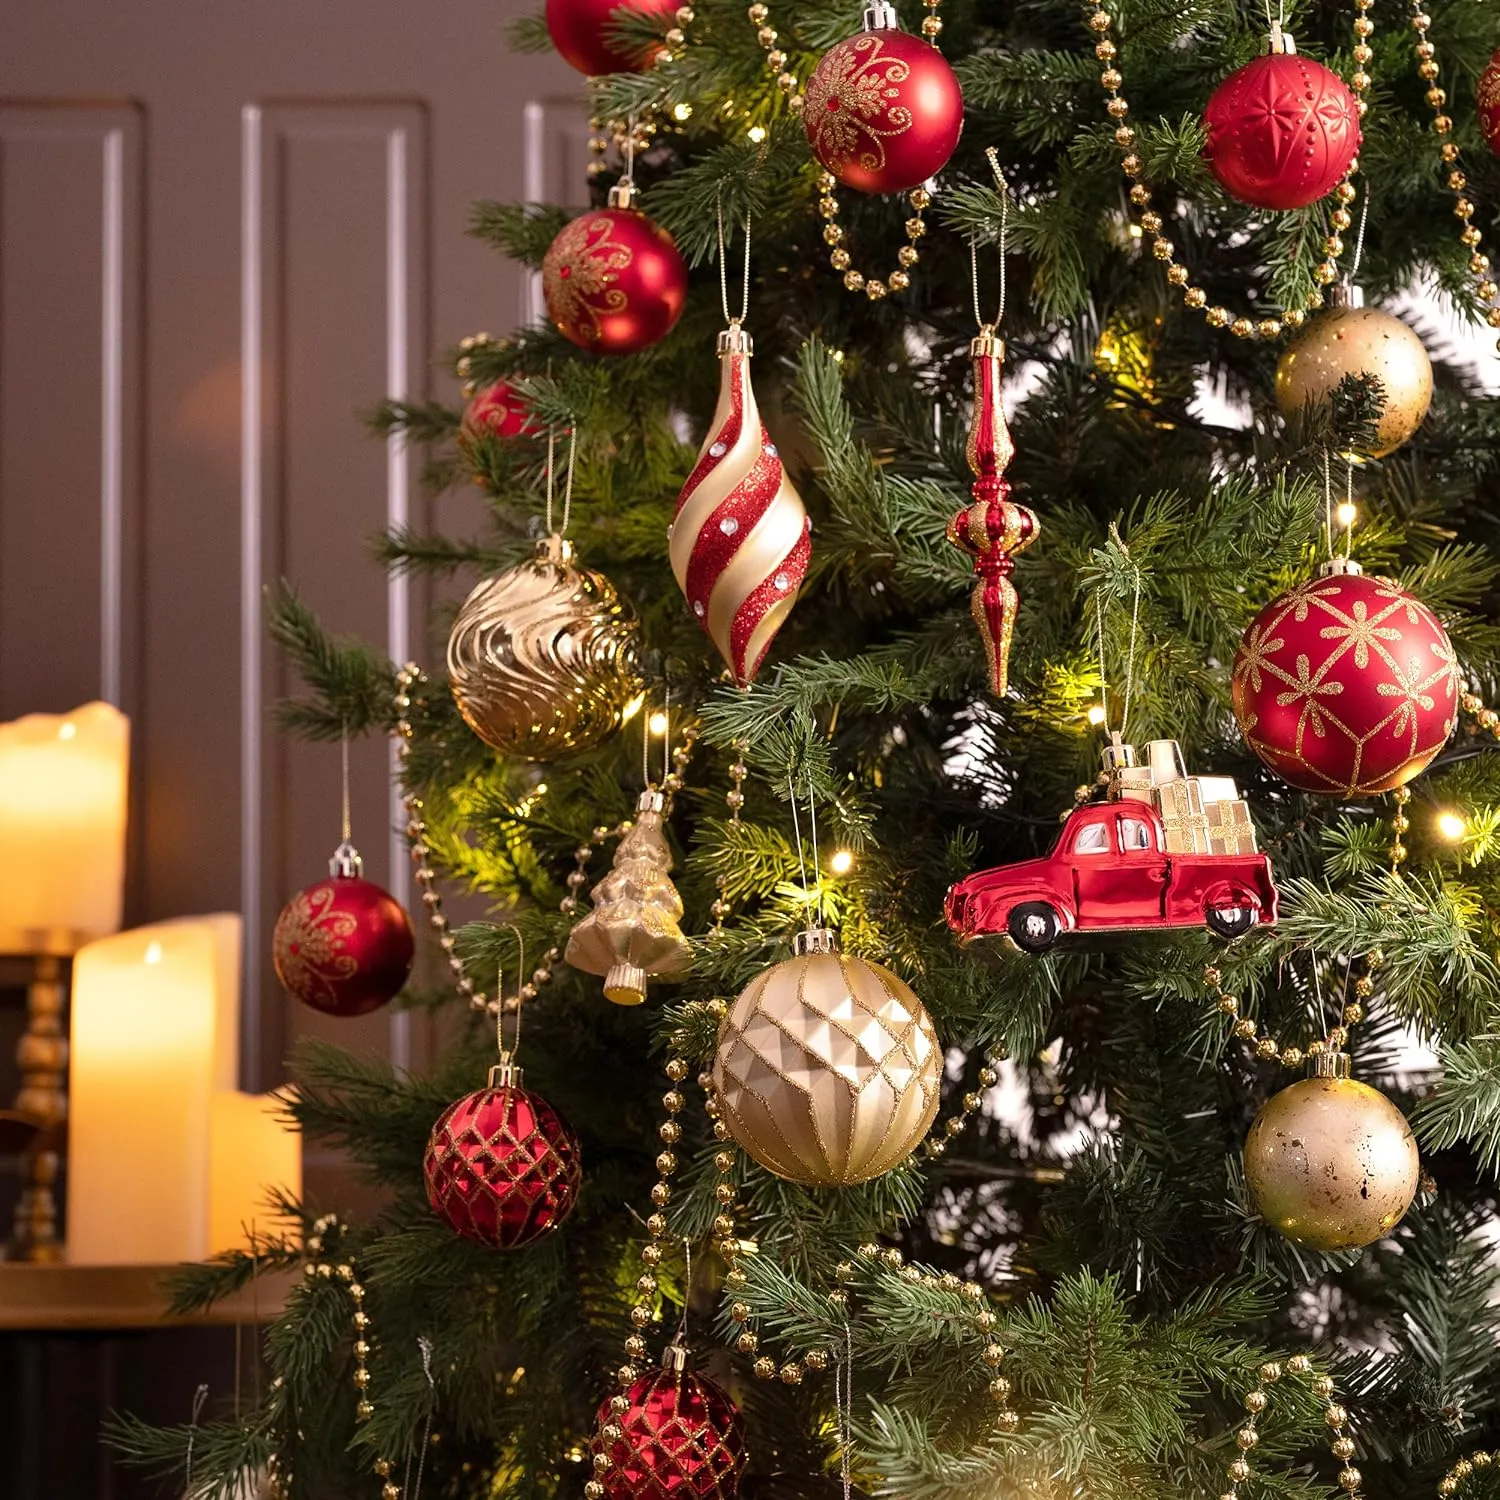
1088,1176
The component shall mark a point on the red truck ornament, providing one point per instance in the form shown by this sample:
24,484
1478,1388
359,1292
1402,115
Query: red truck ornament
1159,849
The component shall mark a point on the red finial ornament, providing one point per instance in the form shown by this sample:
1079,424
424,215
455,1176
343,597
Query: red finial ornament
993,529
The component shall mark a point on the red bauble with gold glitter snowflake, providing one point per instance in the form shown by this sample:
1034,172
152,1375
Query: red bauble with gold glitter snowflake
883,110
1346,685
679,1435
614,280
1281,131
498,411
343,945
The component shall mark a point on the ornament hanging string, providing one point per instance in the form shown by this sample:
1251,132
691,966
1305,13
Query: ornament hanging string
1135,615
843,1402
791,787
812,813
346,824
199,1397
994,161
1327,505
687,1290
568,478
1359,240
724,267
515,1046
424,1344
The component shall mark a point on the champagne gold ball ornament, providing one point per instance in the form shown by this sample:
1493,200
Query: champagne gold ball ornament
1352,339
828,1069
1331,1162
542,657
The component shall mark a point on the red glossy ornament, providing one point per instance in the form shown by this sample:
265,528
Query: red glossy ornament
1346,685
579,30
502,1166
1281,131
1488,103
344,945
883,111
613,280
682,1438
498,411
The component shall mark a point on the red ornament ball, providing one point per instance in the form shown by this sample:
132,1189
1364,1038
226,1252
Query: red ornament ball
498,411
1488,103
682,1438
1281,131
579,32
502,1167
883,111
1346,685
343,946
614,281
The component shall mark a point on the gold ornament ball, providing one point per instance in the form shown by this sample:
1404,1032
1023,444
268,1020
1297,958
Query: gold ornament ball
1359,341
1331,1163
828,1068
542,658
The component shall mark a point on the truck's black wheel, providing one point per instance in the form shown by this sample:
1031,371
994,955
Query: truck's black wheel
1032,926
1230,922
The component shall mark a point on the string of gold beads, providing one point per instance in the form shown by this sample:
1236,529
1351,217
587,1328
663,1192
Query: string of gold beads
1452,1481
1335,1417
937,1140
1401,796
1265,1046
1111,80
734,799
874,288
1442,123
316,1267
776,58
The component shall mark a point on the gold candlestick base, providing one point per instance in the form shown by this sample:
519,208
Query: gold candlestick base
42,1101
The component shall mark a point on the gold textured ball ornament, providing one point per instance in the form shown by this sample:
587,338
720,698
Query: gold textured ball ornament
542,658
1351,339
1331,1162
828,1069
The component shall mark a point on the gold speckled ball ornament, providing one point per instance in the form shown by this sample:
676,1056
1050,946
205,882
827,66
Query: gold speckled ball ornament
1352,339
828,1069
1331,1162
542,658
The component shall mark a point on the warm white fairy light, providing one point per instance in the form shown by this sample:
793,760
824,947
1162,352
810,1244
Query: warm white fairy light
1451,826
841,861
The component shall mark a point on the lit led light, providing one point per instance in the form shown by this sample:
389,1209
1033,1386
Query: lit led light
1096,714
682,111
658,722
1346,513
841,862
757,133
1451,826
1136,231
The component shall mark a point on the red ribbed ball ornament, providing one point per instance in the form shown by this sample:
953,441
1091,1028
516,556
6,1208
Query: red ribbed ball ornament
1281,131
343,945
1488,103
681,1438
883,110
1346,685
498,411
614,280
502,1166
579,30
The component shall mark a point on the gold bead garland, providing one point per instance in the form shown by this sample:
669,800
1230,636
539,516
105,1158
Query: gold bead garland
1442,124
1335,1417
1100,22
944,1131
734,798
1265,1046
907,256
776,59
1401,796
1453,1480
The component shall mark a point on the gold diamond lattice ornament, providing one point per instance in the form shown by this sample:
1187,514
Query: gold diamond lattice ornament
828,1069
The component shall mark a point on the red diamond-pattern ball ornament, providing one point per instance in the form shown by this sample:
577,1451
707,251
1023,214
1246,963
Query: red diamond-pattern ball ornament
1488,103
1346,685
1281,131
502,1167
681,1438
343,946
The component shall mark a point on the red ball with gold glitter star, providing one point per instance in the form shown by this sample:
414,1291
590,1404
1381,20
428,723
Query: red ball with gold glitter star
1281,131
883,111
613,280
1346,685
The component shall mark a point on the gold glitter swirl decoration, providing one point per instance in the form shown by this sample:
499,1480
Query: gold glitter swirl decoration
542,658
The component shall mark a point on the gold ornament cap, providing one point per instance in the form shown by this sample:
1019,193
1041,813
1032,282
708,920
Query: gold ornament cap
622,194
735,340
677,1358
1339,567
1118,756
346,863
1345,294
815,940
650,801
1280,41
506,1074
1330,1065
987,344
881,16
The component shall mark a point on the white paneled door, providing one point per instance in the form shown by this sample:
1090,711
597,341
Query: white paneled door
225,230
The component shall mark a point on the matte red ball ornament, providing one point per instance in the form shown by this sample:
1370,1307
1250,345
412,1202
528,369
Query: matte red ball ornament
681,1438
613,280
883,111
498,411
344,945
1488,103
1346,685
1281,131
502,1166
579,30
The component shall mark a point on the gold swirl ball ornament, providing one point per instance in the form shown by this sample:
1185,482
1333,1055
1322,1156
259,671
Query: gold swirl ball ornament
542,658
1331,1162
828,1068
1352,339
